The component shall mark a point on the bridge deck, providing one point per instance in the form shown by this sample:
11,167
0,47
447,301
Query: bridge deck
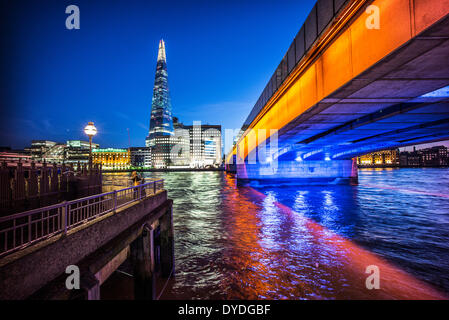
348,72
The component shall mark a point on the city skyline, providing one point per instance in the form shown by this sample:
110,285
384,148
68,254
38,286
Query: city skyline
104,71
224,150
87,76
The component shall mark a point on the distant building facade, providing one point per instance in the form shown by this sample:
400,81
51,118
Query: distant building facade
383,158
430,157
78,151
140,157
39,148
205,144
112,159
73,151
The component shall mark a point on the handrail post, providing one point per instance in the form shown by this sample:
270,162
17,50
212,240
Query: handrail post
64,217
115,201
154,185
29,228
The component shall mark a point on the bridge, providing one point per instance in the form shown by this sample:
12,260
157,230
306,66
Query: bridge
96,234
360,76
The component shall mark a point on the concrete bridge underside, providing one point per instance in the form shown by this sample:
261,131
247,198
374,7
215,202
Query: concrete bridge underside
401,99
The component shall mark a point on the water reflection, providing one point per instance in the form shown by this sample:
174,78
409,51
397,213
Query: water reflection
302,243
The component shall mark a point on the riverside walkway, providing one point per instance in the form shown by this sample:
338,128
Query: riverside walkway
96,234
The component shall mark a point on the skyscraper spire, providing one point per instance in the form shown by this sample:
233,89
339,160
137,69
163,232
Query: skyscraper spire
161,51
161,123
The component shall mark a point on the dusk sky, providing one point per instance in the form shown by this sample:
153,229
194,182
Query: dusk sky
220,55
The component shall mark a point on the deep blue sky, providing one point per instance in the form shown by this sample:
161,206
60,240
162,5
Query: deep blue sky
220,55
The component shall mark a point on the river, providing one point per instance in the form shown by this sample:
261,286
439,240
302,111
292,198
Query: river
308,242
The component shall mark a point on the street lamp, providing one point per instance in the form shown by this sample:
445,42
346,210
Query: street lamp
90,131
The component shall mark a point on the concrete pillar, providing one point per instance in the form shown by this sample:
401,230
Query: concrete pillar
143,262
90,285
232,166
298,172
167,243
354,177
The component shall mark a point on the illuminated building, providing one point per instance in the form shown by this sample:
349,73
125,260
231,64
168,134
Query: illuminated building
383,158
205,143
73,151
78,151
161,122
173,151
140,157
176,145
112,159
39,148
180,152
208,137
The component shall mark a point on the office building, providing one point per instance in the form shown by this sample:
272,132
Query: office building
140,157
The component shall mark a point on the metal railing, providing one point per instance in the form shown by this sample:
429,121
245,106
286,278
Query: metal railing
20,230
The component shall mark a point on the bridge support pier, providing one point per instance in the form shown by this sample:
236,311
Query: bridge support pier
167,243
231,166
91,286
298,172
143,262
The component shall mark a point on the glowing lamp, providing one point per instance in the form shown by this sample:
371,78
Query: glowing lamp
90,129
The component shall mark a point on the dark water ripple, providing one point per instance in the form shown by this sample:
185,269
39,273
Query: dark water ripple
309,242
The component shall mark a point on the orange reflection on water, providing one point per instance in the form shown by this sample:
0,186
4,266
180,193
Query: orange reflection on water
278,253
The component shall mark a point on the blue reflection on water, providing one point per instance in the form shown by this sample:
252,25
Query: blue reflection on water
233,242
402,215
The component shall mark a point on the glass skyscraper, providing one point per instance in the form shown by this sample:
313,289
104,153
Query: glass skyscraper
161,123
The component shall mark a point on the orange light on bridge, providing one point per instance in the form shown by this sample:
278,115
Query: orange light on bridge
337,61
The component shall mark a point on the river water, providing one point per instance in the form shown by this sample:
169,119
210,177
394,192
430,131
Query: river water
308,242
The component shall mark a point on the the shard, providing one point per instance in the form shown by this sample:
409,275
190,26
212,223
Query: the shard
161,123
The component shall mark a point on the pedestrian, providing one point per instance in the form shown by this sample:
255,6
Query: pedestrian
135,178
136,181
